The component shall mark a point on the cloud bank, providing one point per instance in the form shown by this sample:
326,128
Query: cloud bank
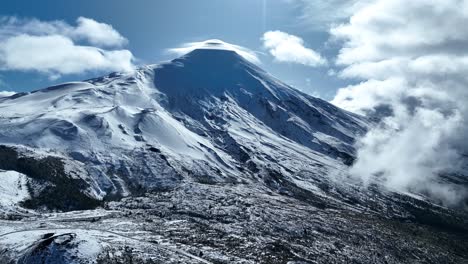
289,48
56,48
412,59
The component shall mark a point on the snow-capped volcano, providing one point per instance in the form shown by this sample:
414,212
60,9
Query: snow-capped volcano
210,114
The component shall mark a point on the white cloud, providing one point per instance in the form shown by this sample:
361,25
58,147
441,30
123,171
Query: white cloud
25,52
289,48
6,93
370,94
411,57
215,44
96,33
409,150
56,48
384,29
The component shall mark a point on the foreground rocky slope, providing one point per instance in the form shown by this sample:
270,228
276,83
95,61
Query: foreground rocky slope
204,159
237,223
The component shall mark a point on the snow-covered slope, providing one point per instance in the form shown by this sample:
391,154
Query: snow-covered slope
209,116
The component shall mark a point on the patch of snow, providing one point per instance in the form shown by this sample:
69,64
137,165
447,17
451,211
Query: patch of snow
13,189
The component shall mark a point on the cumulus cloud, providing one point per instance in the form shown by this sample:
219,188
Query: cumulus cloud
56,48
25,52
285,47
411,59
96,33
215,44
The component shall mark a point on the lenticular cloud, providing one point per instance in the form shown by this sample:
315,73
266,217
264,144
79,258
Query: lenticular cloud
215,44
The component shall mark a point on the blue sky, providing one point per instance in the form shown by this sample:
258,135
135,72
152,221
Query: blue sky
153,27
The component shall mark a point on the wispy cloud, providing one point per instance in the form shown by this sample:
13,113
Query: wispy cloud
320,15
288,48
56,48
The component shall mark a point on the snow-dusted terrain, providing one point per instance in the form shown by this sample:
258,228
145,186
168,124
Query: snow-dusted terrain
203,159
